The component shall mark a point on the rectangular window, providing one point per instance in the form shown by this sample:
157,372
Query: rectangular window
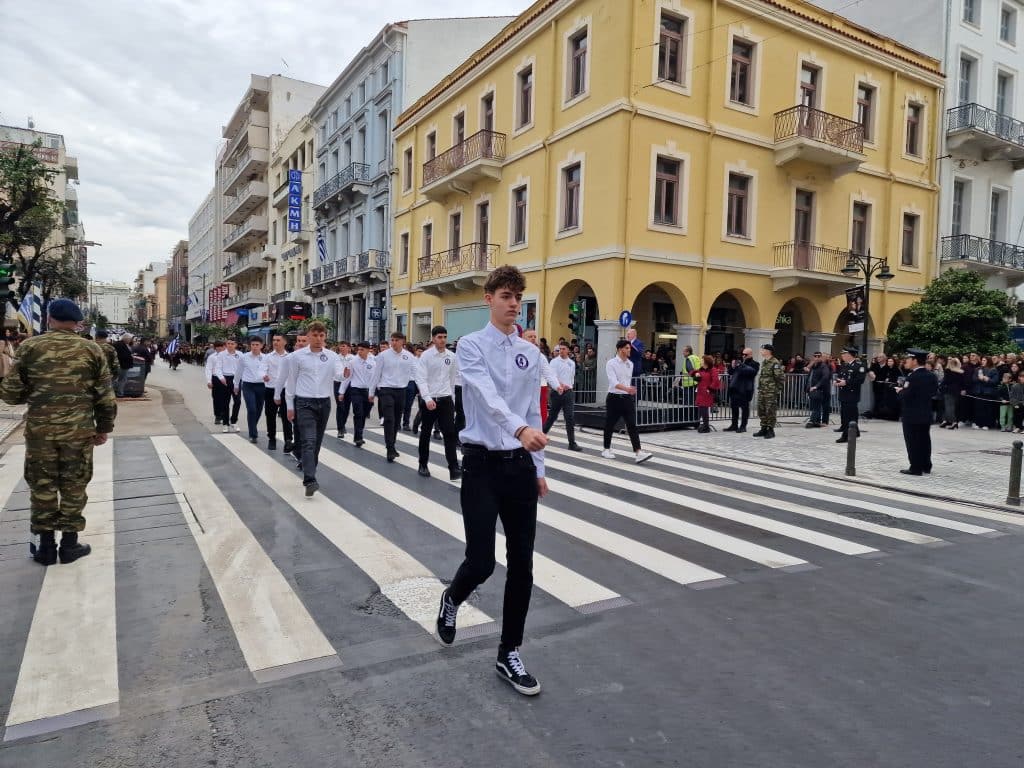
737,223
741,73
1008,25
431,145
348,152
959,198
809,86
362,144
866,109
524,97
403,252
571,178
666,191
455,233
671,49
908,256
860,228
577,64
997,216
965,83
407,169
428,240
1004,94
385,74
458,129
487,112
970,11
519,213
803,228
914,129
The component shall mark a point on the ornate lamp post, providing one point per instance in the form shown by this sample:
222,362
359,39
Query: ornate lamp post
857,263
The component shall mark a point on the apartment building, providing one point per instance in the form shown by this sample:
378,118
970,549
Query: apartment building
177,288
144,294
268,110
205,256
352,199
160,306
708,166
112,300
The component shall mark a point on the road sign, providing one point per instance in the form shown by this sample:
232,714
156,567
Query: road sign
376,313
626,318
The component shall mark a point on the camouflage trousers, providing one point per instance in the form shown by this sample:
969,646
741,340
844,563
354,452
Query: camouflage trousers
767,405
57,473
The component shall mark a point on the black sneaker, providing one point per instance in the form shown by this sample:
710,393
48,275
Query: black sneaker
289,447
312,488
272,445
423,471
360,442
509,667
575,447
446,619
392,455
455,473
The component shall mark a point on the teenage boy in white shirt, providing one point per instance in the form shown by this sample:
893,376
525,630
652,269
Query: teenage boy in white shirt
277,359
251,382
343,406
619,403
225,368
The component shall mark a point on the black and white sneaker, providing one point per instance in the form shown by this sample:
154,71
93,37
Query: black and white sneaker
509,667
446,619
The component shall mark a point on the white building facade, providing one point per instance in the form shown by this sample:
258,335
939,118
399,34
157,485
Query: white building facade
349,281
204,267
113,301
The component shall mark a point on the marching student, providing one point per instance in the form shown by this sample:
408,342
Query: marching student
301,342
251,382
225,367
619,404
211,383
503,468
312,372
272,406
355,388
563,368
435,380
411,364
342,407
390,380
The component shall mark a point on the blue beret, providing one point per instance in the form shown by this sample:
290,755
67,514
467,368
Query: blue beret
64,310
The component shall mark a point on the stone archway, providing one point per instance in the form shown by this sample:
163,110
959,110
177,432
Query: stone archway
559,324
730,315
656,310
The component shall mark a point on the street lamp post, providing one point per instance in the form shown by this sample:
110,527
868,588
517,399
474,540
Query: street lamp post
857,263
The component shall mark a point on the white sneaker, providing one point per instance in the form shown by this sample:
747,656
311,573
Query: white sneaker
642,456
608,453
226,429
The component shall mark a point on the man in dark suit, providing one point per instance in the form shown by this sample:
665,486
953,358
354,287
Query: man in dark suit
741,391
916,399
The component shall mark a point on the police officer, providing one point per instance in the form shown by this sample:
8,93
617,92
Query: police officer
916,396
769,385
66,383
849,379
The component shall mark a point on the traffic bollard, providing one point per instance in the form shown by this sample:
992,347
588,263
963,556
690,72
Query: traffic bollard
851,449
1015,460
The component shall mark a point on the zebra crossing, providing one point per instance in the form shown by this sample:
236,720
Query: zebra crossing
353,575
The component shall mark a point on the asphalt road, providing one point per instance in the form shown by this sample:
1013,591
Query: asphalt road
689,612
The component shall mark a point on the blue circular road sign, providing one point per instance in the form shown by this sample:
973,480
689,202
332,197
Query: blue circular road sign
626,318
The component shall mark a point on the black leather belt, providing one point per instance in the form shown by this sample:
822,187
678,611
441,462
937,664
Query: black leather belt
479,450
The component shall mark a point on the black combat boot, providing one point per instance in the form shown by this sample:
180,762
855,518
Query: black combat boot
70,549
770,433
761,432
46,552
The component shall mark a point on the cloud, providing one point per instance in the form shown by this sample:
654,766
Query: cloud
140,92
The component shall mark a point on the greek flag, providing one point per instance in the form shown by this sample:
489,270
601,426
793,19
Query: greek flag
32,311
321,246
172,348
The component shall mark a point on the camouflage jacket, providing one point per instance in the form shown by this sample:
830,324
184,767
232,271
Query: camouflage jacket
66,383
772,376
111,354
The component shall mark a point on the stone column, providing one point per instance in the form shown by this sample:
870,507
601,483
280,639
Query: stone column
867,392
608,332
687,336
755,337
818,342
354,318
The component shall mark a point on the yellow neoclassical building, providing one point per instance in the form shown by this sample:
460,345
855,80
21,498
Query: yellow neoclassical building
707,165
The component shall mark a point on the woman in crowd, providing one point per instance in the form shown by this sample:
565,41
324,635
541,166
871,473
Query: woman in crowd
1005,409
952,385
708,383
889,406
1017,402
983,393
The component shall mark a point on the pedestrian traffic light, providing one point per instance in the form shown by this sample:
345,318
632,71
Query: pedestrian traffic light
6,281
575,319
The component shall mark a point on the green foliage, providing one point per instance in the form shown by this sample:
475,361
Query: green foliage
288,327
213,332
957,314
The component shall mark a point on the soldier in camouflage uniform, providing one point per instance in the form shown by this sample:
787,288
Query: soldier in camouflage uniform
110,353
66,383
769,387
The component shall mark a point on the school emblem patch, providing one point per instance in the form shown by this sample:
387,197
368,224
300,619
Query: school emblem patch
521,362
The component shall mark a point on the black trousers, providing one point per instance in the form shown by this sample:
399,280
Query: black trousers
460,415
919,446
740,406
499,486
358,400
273,412
565,403
848,413
620,407
392,403
312,415
443,415
410,398
341,410
819,402
226,403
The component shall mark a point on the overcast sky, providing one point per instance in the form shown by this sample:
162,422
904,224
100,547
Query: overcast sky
140,91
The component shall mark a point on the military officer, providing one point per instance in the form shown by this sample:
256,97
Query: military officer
849,379
110,353
71,408
916,396
769,386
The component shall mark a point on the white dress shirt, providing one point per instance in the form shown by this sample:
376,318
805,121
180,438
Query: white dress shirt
359,373
619,372
392,370
501,378
276,369
253,368
564,371
208,367
226,364
435,374
311,374
411,364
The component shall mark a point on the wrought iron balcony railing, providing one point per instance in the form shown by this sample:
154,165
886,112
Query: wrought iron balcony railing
811,257
353,174
373,259
978,118
981,250
810,123
482,145
469,258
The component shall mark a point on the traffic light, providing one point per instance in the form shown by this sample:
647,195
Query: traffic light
6,281
575,319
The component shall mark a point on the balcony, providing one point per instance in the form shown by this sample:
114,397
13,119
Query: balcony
478,157
243,266
71,198
255,132
249,164
985,133
990,258
242,236
460,269
250,298
280,198
808,134
371,260
798,263
246,200
351,181
71,167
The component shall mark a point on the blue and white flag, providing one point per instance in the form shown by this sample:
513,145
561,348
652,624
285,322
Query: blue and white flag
172,348
321,246
32,310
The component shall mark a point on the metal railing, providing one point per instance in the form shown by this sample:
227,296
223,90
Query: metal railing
254,296
471,257
241,196
239,166
978,118
253,222
795,254
280,296
353,174
982,250
482,145
825,127
373,259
